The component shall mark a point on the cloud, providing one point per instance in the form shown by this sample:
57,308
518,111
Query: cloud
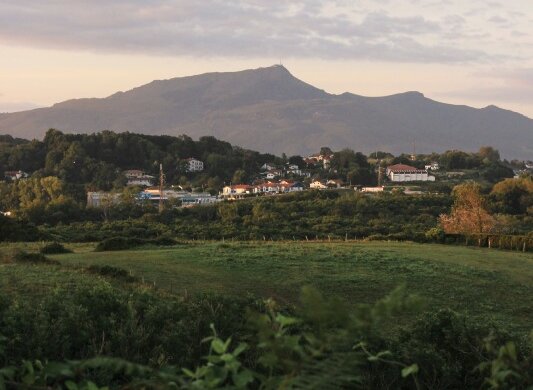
254,28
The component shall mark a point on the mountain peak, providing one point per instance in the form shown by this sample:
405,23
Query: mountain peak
269,109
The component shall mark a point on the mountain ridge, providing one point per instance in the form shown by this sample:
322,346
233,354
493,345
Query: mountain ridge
270,110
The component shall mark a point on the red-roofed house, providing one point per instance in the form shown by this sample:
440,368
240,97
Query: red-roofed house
402,173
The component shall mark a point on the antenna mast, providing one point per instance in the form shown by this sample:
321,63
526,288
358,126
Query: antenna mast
161,185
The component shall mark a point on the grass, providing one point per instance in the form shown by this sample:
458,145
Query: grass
490,285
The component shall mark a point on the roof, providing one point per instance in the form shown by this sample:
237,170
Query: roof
241,186
397,168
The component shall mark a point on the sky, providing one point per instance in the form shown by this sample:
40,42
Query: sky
471,52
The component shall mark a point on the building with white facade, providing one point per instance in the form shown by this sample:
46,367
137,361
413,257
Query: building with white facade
15,175
137,177
194,165
317,184
405,173
434,166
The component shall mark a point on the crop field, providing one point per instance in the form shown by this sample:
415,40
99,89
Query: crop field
489,285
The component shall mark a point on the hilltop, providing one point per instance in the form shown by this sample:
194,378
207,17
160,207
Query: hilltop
270,110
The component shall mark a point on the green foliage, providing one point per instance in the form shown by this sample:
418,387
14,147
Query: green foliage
322,345
506,368
54,248
111,271
24,257
123,243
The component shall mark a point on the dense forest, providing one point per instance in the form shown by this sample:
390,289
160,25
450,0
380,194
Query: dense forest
97,160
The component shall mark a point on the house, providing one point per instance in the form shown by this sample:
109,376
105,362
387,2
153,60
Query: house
15,175
273,174
318,184
434,166
288,186
404,173
372,189
237,191
100,198
310,161
267,167
325,159
137,177
194,165
334,183
294,169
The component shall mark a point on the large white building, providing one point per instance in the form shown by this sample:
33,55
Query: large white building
194,165
403,173
136,177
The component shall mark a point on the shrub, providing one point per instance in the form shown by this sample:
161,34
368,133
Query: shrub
111,271
54,248
118,244
20,256
124,243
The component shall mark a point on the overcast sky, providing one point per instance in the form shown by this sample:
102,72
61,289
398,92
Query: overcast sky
471,52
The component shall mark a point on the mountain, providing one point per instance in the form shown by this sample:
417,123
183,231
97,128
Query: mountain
270,110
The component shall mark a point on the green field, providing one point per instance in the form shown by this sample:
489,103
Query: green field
489,285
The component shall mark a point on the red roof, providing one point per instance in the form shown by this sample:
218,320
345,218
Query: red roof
404,168
241,186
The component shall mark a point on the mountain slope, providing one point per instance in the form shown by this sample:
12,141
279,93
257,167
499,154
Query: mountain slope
270,110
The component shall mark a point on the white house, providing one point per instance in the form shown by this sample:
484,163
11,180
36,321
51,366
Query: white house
97,199
294,169
372,189
334,183
194,165
15,175
137,177
434,166
273,174
237,191
404,173
289,186
317,184
268,167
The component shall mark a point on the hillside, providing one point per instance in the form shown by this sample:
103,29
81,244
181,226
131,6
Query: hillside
270,110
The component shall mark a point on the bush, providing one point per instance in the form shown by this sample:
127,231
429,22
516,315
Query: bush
111,271
124,243
118,244
20,256
54,248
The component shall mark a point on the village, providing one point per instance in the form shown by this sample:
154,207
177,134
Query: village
272,179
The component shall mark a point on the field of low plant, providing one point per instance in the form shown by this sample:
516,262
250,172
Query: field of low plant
488,285
154,305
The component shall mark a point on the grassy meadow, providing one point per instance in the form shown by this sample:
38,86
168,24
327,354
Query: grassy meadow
488,285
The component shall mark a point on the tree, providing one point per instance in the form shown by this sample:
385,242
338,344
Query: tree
489,154
239,176
513,196
469,213
325,151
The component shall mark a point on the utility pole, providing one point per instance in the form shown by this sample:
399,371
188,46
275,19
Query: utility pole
161,186
379,169
379,173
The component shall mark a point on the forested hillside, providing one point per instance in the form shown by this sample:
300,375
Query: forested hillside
96,160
